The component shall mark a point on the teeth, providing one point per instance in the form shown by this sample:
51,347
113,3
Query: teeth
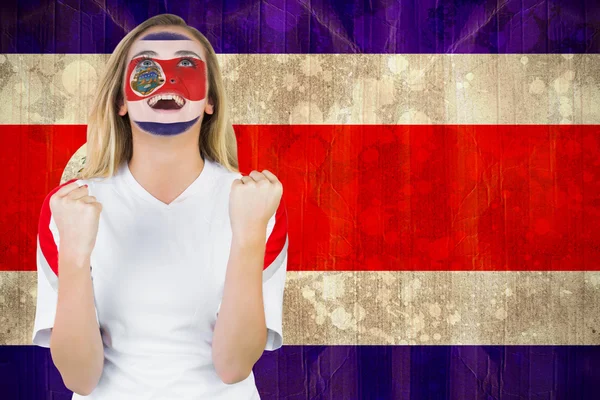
178,99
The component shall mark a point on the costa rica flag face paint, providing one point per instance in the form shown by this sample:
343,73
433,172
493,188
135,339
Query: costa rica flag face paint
145,78
150,77
165,83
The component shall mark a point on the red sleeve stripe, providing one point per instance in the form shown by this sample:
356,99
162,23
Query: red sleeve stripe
276,243
47,243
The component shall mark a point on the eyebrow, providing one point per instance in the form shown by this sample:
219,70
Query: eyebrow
187,53
145,53
151,53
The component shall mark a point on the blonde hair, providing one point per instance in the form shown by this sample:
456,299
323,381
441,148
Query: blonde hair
109,141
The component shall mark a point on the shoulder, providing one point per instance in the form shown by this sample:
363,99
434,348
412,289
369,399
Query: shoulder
46,220
80,182
221,171
46,202
223,178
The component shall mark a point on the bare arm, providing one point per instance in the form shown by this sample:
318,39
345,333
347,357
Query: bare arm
75,343
240,332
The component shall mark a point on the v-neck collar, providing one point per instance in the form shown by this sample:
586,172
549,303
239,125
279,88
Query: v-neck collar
200,184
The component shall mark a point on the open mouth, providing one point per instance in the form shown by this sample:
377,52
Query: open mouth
166,102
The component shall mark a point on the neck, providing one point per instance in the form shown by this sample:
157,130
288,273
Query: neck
166,166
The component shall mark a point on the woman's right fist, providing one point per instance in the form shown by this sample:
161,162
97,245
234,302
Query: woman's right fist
76,215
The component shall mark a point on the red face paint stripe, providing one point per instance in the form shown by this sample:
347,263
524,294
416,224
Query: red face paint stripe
187,81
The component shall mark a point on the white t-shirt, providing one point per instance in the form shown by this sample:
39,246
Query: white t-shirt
158,273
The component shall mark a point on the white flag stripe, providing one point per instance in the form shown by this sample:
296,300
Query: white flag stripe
338,88
363,308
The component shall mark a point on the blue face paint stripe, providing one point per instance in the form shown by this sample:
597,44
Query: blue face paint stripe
165,36
166,129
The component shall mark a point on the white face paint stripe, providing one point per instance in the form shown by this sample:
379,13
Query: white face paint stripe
142,112
166,49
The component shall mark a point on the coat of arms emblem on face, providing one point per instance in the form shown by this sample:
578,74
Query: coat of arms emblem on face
147,77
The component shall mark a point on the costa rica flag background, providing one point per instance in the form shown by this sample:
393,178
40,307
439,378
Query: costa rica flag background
441,163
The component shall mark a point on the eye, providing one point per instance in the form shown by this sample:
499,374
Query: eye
187,62
145,63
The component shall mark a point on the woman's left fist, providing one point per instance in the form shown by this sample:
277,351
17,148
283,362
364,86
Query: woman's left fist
253,201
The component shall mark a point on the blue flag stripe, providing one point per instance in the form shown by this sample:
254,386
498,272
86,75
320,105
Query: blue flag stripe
297,26
372,372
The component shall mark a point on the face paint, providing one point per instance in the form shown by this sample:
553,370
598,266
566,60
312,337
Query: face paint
150,77
147,77
165,36
165,88
162,129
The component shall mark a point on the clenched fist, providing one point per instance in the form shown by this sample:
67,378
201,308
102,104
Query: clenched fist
253,201
77,215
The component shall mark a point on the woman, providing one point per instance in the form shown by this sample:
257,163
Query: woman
171,264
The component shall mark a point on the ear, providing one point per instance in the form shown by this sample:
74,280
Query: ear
122,107
209,107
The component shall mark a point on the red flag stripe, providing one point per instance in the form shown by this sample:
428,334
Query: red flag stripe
32,161
380,197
